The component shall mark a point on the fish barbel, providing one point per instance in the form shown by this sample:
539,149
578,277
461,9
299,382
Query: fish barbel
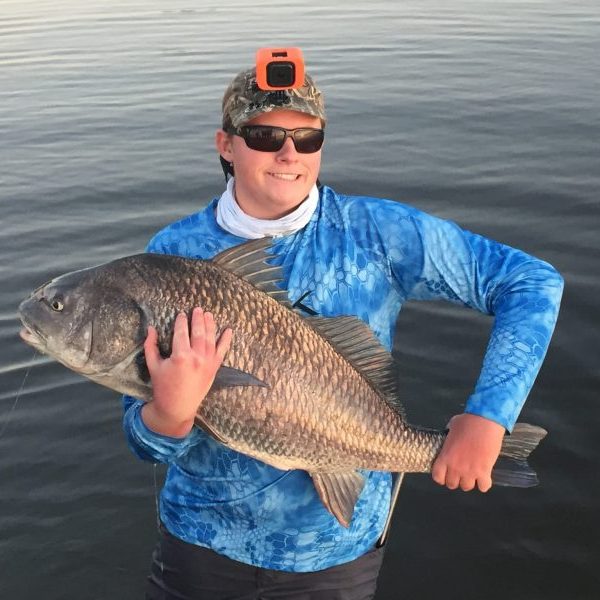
295,392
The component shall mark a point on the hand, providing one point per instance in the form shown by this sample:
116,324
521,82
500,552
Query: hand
180,383
469,453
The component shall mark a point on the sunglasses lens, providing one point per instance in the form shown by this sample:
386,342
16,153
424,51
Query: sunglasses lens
264,139
308,141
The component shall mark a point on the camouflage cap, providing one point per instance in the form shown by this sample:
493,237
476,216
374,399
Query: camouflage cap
244,100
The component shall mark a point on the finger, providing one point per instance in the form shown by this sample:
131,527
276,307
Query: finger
210,332
198,329
450,422
224,344
151,351
484,483
438,473
181,337
452,480
467,483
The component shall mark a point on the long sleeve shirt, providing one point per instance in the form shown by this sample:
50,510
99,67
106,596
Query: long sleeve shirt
357,256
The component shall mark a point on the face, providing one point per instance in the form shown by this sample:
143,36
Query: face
269,185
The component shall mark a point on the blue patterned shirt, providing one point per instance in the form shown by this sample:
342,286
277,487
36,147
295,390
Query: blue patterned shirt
366,257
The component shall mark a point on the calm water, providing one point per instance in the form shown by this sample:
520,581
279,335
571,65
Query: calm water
484,113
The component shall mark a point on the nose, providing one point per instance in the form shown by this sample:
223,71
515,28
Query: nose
288,151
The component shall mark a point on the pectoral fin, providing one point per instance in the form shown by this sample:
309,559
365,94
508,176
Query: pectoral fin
228,376
339,493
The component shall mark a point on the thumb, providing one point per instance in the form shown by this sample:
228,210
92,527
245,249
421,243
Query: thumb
151,349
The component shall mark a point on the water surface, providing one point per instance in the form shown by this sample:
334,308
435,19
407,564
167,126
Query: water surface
483,113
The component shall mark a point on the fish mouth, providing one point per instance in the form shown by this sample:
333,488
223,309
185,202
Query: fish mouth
31,334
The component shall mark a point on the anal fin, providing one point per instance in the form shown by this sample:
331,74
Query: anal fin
339,493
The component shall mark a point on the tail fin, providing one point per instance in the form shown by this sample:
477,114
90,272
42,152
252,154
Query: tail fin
512,469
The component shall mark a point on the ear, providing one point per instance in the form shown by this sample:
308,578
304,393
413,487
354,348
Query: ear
224,144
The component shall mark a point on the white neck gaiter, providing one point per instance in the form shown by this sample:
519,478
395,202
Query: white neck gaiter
233,219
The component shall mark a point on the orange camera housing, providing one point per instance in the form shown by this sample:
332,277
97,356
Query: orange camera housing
279,68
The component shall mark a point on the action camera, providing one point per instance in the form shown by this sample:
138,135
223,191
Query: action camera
279,68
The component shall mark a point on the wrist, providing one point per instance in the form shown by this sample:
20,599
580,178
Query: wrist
164,424
475,421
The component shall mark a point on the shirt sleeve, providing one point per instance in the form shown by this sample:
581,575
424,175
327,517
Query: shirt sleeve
522,293
149,445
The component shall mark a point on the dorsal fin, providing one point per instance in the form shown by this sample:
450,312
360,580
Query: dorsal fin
250,262
355,341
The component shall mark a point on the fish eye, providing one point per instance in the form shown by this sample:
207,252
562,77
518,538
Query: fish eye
57,303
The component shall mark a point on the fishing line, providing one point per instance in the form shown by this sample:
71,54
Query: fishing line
12,408
162,566
155,465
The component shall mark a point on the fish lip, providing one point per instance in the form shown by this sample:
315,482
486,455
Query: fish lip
30,333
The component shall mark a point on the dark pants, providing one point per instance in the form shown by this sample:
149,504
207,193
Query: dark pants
182,571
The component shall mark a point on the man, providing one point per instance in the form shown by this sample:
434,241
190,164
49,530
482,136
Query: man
233,527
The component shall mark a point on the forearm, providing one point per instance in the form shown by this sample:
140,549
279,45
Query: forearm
525,316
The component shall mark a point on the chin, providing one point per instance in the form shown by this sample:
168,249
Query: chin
293,194
288,203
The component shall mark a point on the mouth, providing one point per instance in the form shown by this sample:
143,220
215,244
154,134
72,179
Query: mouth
285,176
30,334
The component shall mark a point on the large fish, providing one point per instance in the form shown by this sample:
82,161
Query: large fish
296,392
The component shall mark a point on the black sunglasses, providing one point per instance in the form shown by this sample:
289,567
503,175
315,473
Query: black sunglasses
265,138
